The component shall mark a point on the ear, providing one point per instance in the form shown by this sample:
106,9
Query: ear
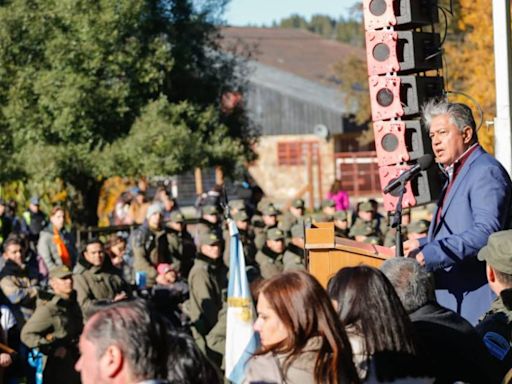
491,276
112,361
467,134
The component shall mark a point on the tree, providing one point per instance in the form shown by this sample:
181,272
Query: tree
78,80
469,54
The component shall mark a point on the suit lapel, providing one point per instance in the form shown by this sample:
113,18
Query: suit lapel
458,181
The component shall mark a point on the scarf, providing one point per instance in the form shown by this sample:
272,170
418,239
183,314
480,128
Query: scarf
61,248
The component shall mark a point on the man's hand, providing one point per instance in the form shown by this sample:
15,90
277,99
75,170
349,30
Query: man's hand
410,245
5,360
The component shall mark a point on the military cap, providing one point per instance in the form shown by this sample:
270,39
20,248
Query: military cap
262,204
498,251
270,210
366,207
275,234
297,230
241,215
210,210
340,215
328,203
34,200
60,272
420,226
177,217
236,204
154,209
362,229
298,203
209,238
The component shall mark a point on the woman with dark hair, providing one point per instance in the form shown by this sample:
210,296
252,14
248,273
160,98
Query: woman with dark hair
186,363
379,330
302,339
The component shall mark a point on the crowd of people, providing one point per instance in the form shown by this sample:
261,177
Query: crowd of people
150,306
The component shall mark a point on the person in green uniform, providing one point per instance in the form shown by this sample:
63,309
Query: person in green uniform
293,257
341,227
95,279
270,257
495,326
366,225
55,328
207,283
293,215
181,244
269,216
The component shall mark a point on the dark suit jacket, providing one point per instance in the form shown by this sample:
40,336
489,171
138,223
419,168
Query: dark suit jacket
452,346
477,205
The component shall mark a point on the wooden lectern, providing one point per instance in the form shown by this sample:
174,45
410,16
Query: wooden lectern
327,253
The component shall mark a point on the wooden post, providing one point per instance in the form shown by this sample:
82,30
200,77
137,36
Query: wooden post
198,181
319,167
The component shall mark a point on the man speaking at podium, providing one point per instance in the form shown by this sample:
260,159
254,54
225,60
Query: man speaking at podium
474,203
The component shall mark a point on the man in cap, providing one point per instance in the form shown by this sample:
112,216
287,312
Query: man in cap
55,327
183,248
495,327
241,220
366,225
95,280
236,206
149,245
210,221
328,207
270,257
293,258
418,229
269,216
341,228
294,215
33,221
207,283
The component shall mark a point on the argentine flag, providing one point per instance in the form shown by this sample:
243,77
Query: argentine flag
241,341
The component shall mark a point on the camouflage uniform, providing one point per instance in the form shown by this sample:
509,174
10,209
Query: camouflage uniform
341,216
369,229
289,219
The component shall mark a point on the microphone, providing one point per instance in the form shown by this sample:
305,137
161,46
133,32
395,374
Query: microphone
424,162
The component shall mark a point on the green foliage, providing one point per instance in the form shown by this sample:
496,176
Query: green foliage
79,78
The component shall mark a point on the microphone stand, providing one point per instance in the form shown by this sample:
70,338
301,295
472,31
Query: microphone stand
397,222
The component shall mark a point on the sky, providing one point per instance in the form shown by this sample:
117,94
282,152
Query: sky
264,12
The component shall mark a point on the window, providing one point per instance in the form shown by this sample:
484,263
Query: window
295,152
